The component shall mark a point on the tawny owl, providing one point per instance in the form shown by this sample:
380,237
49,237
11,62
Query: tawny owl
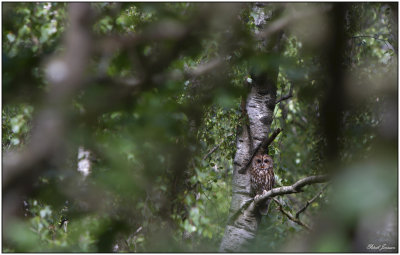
262,178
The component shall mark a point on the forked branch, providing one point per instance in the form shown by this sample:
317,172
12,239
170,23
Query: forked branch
295,188
253,203
289,215
309,202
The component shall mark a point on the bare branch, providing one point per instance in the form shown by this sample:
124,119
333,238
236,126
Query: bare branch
295,188
215,148
212,150
285,97
290,216
309,202
251,204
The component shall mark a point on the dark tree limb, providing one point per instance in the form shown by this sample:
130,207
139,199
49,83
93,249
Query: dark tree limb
271,138
309,202
261,147
287,96
289,215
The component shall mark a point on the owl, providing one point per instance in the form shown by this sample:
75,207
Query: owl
262,178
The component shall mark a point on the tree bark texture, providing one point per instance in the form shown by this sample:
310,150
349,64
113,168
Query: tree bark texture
242,225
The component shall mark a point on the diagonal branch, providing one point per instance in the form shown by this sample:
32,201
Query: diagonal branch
215,148
289,19
289,215
309,202
287,96
204,68
262,146
271,138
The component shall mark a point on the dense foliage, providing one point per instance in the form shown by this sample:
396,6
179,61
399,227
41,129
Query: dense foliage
162,152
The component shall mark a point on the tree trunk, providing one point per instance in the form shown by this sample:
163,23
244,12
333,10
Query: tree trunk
243,223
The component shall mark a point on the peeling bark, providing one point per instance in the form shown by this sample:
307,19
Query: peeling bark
260,107
242,225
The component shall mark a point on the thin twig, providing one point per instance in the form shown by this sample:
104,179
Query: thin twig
214,149
376,38
309,202
290,216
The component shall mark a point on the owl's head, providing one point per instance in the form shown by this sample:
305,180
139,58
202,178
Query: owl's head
263,161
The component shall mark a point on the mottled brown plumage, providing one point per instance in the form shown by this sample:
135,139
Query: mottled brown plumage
262,178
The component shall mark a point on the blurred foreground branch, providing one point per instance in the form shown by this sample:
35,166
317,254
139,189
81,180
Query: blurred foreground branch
66,77
205,68
290,19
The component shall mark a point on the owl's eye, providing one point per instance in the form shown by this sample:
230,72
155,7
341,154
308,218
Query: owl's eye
258,160
266,161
